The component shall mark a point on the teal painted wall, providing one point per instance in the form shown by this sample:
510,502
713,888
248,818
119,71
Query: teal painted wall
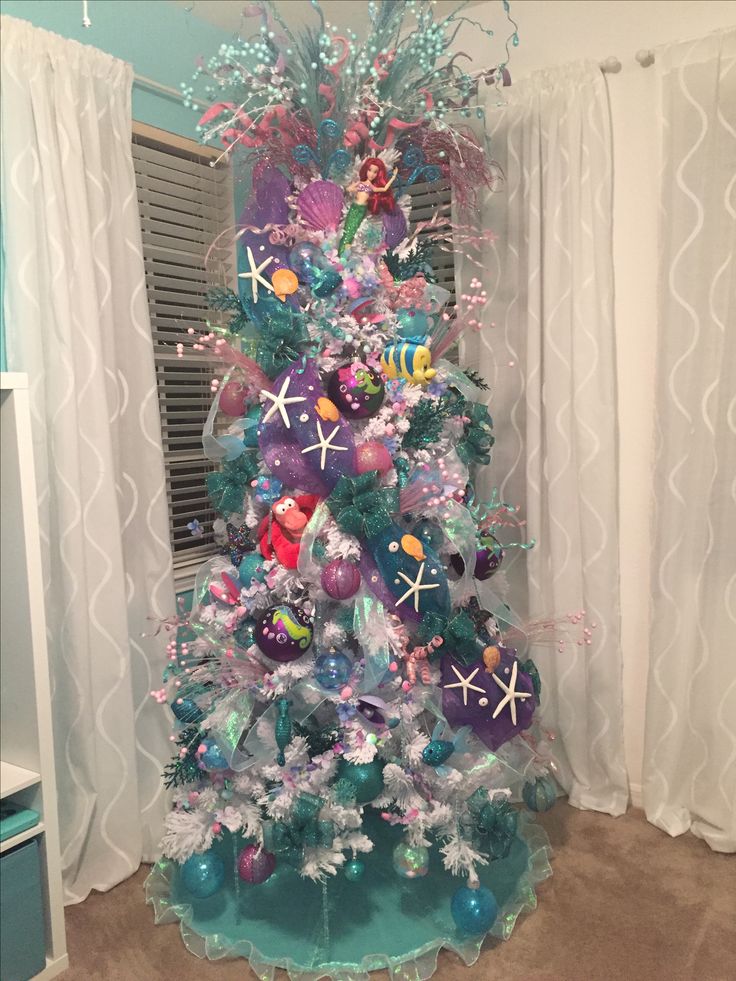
159,39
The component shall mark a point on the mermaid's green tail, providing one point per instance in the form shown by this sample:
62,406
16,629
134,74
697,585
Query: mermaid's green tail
353,221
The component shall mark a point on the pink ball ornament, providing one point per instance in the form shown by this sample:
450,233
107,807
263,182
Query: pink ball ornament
255,864
340,579
373,456
232,399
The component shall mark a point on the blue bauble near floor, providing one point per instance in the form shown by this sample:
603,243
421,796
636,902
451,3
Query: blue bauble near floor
474,910
203,875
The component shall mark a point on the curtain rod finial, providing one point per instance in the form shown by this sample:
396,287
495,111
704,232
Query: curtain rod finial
645,57
610,65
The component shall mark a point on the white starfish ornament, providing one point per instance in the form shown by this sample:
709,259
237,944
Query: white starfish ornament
511,693
255,274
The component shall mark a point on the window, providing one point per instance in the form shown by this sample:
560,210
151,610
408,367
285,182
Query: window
427,201
184,204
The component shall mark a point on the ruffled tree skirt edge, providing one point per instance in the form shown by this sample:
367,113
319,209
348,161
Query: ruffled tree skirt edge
344,930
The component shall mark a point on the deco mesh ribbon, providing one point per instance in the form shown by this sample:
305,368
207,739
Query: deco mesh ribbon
226,487
283,337
493,823
459,634
288,839
360,507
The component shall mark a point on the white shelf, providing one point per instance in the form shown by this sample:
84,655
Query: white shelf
14,778
25,710
13,379
37,829
54,967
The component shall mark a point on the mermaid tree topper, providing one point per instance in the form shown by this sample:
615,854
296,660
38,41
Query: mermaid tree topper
372,192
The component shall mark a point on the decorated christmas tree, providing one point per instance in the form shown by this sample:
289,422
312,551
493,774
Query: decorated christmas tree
357,745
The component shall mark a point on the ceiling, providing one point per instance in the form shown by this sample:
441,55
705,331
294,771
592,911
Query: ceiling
343,13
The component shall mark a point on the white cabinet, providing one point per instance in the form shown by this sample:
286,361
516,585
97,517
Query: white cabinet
26,739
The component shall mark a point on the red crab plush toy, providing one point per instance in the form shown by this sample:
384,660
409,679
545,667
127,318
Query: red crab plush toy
280,532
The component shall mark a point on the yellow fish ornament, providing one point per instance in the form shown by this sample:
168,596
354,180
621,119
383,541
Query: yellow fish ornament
409,360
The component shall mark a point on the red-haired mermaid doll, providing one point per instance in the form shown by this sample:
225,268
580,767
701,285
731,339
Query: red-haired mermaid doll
372,192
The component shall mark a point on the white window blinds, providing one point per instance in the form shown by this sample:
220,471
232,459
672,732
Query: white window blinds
184,204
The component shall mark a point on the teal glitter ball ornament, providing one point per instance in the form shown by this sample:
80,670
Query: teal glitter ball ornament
332,670
203,875
474,910
366,778
354,870
540,794
186,710
411,861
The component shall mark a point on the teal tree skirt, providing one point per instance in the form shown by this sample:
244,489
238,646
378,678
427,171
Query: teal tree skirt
343,930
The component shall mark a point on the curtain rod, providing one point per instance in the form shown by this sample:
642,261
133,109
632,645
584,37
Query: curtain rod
168,90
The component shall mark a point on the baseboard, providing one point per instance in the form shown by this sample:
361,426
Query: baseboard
637,796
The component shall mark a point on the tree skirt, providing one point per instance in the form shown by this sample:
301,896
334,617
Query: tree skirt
343,930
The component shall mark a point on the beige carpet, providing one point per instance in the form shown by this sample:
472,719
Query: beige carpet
625,902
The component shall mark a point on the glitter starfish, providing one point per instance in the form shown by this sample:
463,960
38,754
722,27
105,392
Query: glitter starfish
325,444
280,402
511,693
465,683
255,274
415,587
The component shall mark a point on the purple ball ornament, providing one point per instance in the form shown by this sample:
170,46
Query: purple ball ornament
340,579
487,561
356,390
284,632
255,864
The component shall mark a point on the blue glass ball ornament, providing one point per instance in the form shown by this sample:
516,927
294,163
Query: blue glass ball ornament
410,861
203,875
212,758
186,710
474,910
540,795
365,778
332,670
354,870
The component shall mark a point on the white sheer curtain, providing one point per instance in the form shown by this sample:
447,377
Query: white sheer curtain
551,362
77,322
690,752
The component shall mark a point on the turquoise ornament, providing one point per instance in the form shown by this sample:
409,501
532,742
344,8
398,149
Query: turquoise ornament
438,750
540,795
251,569
283,729
211,758
474,910
366,778
186,710
332,670
354,870
203,875
411,861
